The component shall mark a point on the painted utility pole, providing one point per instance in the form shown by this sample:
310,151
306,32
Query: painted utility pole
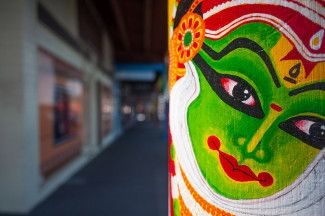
247,111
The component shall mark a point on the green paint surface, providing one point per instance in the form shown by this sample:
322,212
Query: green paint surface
279,153
188,38
177,208
172,152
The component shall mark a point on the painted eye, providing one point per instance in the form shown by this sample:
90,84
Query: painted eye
239,91
315,129
309,129
232,90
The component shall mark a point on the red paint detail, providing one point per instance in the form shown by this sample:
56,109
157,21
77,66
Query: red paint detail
170,140
171,204
171,164
190,23
252,103
180,36
321,2
183,26
209,4
240,173
295,55
276,107
294,19
224,81
172,167
225,84
214,142
265,179
182,54
196,24
180,65
300,123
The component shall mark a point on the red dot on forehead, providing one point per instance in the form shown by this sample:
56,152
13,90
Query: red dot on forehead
276,107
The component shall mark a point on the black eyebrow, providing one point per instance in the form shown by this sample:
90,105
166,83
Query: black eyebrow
248,44
314,86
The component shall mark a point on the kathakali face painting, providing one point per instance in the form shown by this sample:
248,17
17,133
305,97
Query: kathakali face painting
247,116
250,137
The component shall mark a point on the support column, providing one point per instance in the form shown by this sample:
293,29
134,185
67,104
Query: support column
19,180
247,117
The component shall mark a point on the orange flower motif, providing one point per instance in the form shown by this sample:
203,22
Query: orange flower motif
185,43
189,37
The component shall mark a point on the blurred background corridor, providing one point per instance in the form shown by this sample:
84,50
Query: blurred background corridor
83,108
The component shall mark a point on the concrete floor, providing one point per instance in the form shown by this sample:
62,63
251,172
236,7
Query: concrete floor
128,178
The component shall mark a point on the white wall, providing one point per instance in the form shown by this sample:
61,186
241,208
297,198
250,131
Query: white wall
65,12
18,119
91,75
21,184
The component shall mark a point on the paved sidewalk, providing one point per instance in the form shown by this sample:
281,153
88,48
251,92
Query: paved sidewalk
128,178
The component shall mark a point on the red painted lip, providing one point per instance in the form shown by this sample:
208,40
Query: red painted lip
241,173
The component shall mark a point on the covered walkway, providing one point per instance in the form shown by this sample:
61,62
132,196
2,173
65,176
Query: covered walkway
128,178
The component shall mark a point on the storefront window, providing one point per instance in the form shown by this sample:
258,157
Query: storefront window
61,110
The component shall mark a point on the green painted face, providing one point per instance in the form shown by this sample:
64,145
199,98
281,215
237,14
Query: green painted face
245,113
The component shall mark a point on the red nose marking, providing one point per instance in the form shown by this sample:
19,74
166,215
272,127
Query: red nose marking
276,107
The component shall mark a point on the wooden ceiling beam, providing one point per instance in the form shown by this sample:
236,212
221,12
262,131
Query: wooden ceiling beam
147,25
121,24
95,14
